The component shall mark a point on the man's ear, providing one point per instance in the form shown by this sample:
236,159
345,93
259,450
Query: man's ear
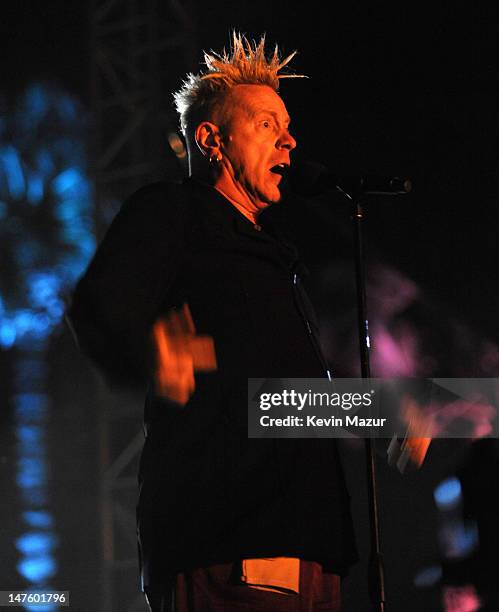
208,139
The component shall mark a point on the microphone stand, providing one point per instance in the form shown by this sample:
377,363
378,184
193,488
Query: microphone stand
317,179
358,198
376,574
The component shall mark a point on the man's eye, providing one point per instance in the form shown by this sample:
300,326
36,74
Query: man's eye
266,124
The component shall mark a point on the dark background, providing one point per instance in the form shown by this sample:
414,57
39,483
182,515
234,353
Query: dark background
405,91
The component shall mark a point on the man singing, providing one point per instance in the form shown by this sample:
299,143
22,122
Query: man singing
190,296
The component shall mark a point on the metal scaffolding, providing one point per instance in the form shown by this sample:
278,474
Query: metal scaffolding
139,50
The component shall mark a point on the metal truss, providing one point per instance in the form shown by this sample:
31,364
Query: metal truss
139,50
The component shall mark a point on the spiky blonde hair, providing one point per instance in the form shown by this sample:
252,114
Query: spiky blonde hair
245,64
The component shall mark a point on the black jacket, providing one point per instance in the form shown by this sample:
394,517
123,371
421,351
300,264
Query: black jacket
208,493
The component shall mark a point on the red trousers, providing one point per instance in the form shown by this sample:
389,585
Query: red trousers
217,589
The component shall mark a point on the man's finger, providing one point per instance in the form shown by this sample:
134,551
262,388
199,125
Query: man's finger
187,320
417,448
160,336
202,350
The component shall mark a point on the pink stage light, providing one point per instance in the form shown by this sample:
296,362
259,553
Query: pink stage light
461,599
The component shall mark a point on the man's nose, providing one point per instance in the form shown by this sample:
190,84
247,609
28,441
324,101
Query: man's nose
286,141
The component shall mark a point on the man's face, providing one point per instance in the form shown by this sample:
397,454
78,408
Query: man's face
256,145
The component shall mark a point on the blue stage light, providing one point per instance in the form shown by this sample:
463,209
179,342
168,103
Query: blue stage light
36,190
38,518
30,407
36,543
41,607
428,577
31,472
466,539
42,163
11,162
30,439
7,334
448,493
35,106
43,288
68,180
37,569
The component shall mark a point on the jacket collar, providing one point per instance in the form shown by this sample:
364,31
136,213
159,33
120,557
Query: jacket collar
216,206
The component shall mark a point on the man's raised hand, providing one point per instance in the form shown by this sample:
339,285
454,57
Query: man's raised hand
179,352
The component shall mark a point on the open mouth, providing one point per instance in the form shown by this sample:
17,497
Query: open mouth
280,169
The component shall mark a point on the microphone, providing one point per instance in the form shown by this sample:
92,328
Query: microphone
311,179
